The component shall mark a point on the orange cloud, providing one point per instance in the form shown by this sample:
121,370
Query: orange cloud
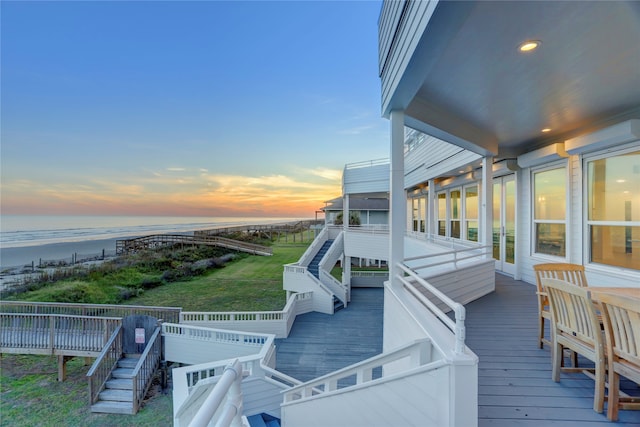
177,191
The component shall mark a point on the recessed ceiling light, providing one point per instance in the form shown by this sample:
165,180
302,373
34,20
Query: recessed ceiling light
460,171
529,45
546,130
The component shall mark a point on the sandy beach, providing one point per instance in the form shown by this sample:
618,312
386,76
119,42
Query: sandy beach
19,256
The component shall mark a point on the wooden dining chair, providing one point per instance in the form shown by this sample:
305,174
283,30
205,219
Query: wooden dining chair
575,326
572,273
621,318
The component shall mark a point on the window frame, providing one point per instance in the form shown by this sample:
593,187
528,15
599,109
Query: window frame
564,164
587,223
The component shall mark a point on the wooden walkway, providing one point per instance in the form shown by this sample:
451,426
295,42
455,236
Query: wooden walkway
321,343
514,376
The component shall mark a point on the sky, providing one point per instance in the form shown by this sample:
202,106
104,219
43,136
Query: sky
206,108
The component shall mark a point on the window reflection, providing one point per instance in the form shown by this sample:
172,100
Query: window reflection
613,195
549,201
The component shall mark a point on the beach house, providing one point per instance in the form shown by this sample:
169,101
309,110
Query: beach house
514,141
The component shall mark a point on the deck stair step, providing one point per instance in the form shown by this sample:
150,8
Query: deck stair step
119,384
314,265
117,396
337,304
263,420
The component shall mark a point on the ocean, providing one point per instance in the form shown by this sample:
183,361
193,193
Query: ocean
32,239
35,230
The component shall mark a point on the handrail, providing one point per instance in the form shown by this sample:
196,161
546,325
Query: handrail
313,248
168,314
229,382
369,228
104,364
163,239
55,333
415,352
481,252
367,163
145,368
456,327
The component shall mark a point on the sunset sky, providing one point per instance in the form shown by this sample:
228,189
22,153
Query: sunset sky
186,108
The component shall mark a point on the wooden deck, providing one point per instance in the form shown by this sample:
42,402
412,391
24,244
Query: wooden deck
514,376
321,343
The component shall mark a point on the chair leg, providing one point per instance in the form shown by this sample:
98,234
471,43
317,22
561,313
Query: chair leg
541,332
556,358
598,397
614,396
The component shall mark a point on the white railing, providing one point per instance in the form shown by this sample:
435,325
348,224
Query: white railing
327,263
278,323
214,336
367,163
228,389
186,379
457,327
370,228
415,353
453,257
314,247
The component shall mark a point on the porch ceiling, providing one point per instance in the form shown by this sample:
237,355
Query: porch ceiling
480,92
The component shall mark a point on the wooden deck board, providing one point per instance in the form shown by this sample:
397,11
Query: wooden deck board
514,376
320,343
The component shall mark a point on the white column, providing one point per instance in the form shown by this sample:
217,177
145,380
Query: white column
432,226
398,199
345,213
486,209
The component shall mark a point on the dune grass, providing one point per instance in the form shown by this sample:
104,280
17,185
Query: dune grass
30,394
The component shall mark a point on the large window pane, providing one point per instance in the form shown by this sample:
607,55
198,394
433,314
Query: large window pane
442,214
471,212
614,188
550,194
614,210
616,245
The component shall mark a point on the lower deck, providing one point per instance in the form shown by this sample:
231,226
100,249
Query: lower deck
514,375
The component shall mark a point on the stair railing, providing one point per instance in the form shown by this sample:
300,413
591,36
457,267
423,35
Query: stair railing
326,265
456,326
228,390
146,368
417,354
104,364
313,248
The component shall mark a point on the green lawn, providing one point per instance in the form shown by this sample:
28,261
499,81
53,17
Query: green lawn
253,283
30,395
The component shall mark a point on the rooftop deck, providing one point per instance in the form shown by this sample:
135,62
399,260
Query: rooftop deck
514,376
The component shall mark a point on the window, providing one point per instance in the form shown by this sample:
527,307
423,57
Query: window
454,196
442,214
418,214
549,218
613,210
471,213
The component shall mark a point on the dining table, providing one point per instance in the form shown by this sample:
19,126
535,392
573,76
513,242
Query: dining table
627,292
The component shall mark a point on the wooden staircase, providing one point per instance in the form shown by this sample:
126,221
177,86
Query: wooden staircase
117,397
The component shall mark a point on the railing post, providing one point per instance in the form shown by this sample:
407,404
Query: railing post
460,329
52,333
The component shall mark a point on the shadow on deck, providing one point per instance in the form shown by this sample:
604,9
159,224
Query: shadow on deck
514,376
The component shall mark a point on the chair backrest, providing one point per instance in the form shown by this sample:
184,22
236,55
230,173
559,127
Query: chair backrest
621,318
573,312
572,273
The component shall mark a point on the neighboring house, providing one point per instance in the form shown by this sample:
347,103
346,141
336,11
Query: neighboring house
369,211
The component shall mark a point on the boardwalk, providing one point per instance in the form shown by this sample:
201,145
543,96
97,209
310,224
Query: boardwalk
514,376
